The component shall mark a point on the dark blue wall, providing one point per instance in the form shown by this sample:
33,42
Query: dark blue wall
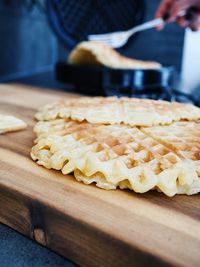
27,45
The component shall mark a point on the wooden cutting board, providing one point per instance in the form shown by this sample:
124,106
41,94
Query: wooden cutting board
90,226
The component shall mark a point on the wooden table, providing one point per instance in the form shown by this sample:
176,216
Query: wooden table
88,225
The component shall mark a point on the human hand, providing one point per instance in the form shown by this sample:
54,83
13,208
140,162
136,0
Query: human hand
185,13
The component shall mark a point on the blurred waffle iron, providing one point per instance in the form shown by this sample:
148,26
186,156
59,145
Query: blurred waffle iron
72,21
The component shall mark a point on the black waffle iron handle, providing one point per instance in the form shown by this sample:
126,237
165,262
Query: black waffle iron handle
138,82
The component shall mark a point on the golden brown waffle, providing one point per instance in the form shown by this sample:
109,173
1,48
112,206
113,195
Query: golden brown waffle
11,123
121,156
111,110
96,53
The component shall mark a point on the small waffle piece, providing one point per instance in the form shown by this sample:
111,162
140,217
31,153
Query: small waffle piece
118,156
97,53
11,123
111,110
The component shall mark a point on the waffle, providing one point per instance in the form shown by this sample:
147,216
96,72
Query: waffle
111,110
96,53
11,123
121,156
181,137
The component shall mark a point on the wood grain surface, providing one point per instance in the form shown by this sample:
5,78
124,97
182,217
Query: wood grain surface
88,225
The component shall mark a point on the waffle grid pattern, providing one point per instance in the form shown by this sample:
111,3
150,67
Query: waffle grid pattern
183,138
113,155
135,112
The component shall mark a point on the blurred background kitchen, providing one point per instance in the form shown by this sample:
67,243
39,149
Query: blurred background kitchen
32,43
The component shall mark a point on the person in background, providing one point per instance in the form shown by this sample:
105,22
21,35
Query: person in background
185,12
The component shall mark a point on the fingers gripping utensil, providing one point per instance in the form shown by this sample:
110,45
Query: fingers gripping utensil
118,39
